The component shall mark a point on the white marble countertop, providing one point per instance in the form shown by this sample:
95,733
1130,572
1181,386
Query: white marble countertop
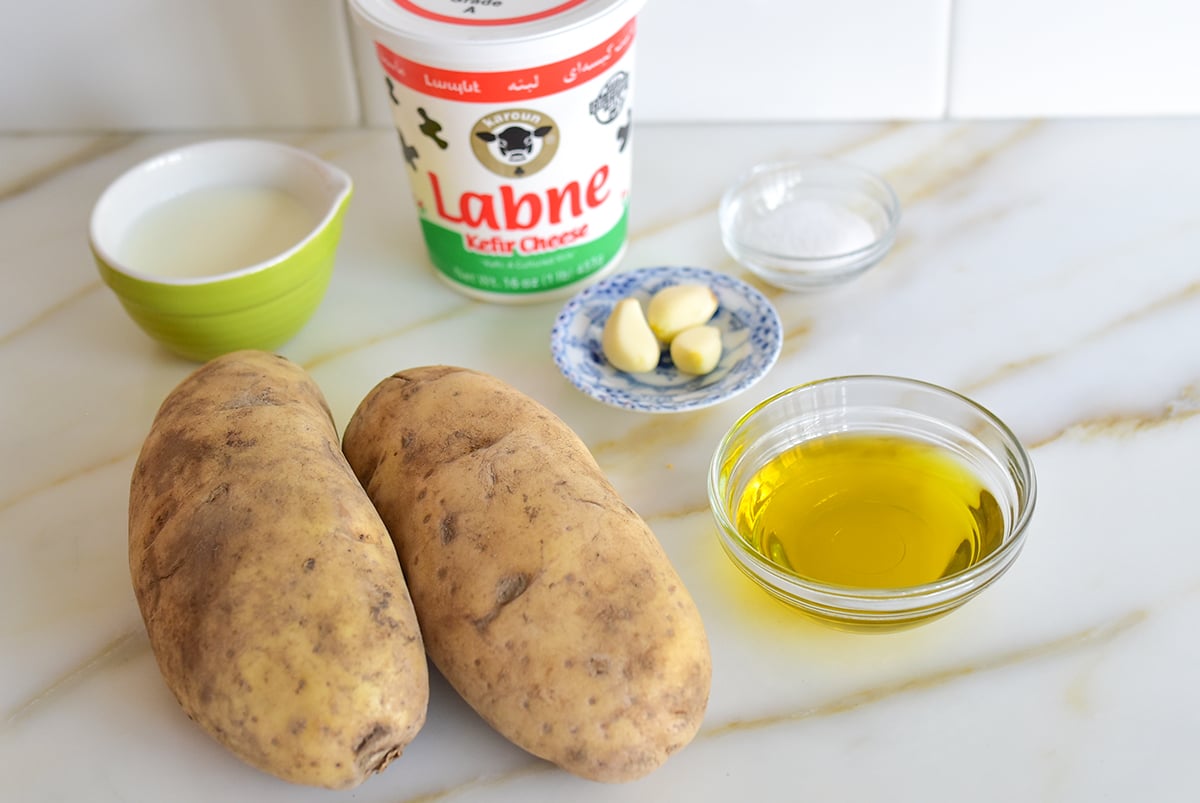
1051,270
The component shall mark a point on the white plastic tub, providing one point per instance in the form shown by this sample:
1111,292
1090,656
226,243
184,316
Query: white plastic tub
514,121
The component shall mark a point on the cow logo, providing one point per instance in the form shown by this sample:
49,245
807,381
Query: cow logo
608,104
514,143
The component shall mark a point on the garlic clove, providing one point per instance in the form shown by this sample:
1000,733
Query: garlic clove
627,340
697,350
678,307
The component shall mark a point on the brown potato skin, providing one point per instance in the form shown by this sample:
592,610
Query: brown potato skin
271,592
545,601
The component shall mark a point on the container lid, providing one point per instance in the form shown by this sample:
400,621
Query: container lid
436,31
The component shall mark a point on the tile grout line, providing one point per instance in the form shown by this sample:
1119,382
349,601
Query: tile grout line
352,50
951,40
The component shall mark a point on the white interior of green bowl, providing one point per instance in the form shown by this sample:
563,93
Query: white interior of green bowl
320,186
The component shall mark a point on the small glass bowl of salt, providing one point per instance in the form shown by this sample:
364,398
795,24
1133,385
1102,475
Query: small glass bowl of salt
808,225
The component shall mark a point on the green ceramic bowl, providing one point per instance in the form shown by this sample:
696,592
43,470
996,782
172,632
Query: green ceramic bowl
255,306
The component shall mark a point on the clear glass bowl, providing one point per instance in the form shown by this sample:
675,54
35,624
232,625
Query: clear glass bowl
879,405
808,225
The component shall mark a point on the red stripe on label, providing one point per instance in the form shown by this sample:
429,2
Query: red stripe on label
413,8
511,85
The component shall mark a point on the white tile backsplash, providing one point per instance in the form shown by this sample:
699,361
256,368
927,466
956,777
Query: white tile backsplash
1065,58
377,110
801,59
287,64
175,65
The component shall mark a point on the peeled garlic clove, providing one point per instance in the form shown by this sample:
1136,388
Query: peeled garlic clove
678,307
627,341
697,350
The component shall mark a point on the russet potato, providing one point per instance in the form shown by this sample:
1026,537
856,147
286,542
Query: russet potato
545,601
272,595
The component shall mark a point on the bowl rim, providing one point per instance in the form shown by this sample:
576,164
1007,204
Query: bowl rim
852,176
217,149
948,591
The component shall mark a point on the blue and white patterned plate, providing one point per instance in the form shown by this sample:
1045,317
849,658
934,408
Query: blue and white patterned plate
750,332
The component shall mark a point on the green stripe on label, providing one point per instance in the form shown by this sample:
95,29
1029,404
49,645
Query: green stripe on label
509,271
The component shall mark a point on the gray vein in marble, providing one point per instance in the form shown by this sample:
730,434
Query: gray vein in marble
49,312
1168,411
1090,638
654,431
1186,405
121,649
482,783
937,175
29,493
93,150
878,134
447,314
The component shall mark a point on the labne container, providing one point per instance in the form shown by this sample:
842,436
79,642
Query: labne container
514,121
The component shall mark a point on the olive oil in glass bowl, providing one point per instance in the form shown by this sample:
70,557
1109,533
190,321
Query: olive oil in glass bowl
871,502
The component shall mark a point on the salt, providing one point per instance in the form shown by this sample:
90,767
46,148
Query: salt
807,229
